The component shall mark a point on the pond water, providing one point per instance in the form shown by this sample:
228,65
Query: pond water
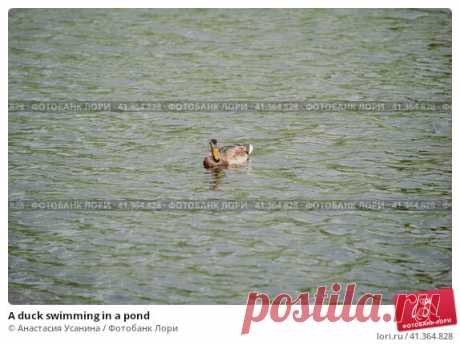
209,256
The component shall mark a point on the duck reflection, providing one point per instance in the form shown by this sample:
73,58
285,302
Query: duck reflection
217,176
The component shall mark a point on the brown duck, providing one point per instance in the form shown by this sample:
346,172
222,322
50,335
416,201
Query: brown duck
227,156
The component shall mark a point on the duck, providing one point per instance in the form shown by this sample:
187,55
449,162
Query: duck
227,156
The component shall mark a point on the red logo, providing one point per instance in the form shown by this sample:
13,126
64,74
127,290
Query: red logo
425,309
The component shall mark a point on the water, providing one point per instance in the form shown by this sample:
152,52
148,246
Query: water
212,257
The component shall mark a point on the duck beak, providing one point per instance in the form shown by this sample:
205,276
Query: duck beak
215,154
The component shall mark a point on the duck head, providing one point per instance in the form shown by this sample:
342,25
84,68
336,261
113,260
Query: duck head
215,152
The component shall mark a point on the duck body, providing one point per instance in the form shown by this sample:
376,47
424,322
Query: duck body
227,156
